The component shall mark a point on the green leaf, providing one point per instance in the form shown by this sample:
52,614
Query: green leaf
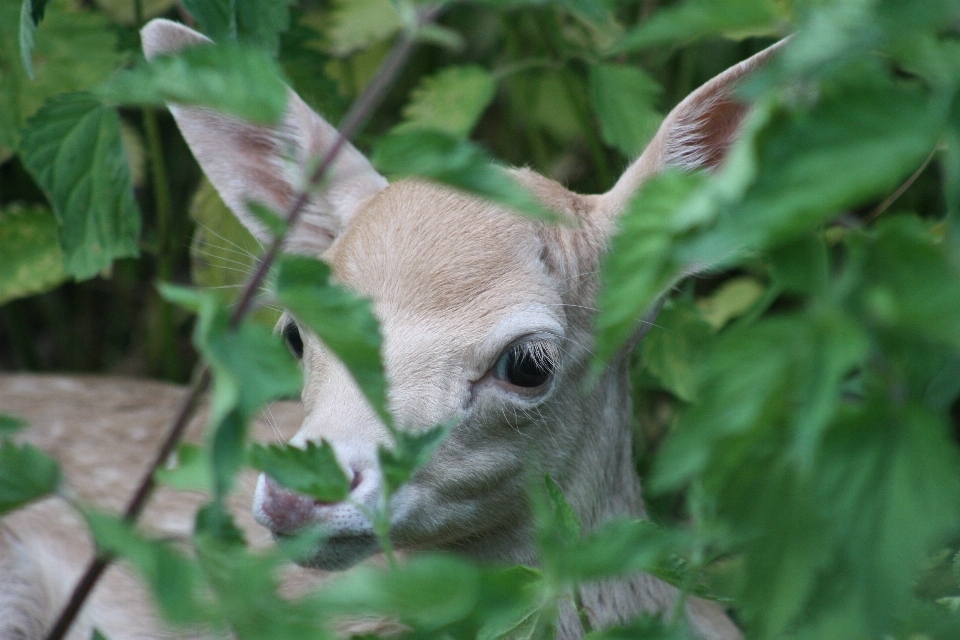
622,98
174,580
639,265
411,451
72,148
97,635
358,24
66,30
312,471
343,321
458,163
698,18
563,519
239,80
11,424
28,28
731,300
450,101
26,474
673,348
255,22
30,257
190,471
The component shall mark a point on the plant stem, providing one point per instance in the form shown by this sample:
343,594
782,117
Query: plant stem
165,333
883,206
354,118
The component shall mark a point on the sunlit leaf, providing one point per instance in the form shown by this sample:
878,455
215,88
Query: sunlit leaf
30,257
450,101
190,470
357,24
73,149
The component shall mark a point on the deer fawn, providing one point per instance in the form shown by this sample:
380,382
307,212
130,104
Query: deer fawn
487,321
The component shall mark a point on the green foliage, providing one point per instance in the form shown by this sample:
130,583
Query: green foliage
26,474
73,149
239,80
800,398
312,470
10,424
342,320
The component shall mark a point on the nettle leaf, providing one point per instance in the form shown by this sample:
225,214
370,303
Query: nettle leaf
343,321
731,300
458,163
26,474
72,148
640,264
451,101
58,68
410,452
175,581
699,18
11,424
255,22
30,257
235,79
358,24
811,163
622,98
312,471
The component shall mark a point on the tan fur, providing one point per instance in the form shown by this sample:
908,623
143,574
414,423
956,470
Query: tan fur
456,282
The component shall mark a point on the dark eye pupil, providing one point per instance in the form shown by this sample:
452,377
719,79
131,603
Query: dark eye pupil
524,370
291,333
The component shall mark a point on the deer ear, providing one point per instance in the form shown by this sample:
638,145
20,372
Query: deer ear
249,163
696,135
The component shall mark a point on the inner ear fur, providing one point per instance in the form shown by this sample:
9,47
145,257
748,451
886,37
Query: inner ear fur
696,134
267,164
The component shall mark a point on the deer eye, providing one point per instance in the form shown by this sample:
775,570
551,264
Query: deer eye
528,365
291,334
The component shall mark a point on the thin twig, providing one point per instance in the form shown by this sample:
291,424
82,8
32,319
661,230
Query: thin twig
883,206
354,119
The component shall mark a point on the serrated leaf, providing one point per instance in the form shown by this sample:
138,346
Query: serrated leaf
458,163
255,22
312,470
239,80
11,424
66,30
410,452
672,349
622,98
344,321
564,520
450,101
73,149
30,257
26,474
357,24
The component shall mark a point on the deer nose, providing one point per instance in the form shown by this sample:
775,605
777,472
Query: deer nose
287,512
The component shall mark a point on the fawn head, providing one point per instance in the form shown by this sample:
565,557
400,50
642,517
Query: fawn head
486,318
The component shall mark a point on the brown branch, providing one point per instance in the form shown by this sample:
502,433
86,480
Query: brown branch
354,119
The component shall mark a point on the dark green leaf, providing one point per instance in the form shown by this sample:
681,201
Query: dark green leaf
72,147
674,346
239,80
11,424
26,474
344,321
411,451
312,471
30,257
458,163
623,98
